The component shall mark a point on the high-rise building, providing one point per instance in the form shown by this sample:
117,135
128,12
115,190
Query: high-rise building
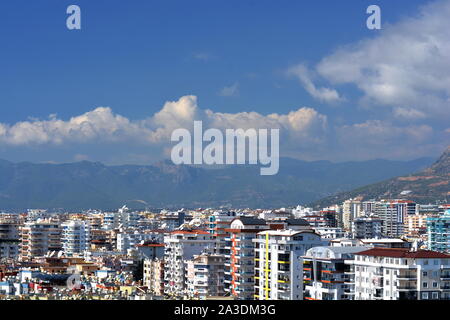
367,227
350,210
205,275
400,274
278,266
239,262
154,276
39,238
75,237
9,238
438,230
394,213
218,223
326,276
182,245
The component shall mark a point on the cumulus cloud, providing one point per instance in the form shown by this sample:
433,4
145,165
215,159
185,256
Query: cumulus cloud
103,125
304,76
406,67
99,124
304,133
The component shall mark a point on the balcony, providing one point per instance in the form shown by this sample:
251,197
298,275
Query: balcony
406,287
407,276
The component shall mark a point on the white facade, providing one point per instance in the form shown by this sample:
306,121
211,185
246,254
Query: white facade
399,274
128,240
325,273
75,237
179,247
278,267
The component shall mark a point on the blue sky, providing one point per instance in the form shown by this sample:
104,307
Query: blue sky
134,56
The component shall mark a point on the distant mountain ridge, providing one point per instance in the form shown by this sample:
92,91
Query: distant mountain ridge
426,186
84,185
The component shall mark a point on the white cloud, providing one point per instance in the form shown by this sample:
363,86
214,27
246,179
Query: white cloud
102,125
304,133
406,67
322,94
230,91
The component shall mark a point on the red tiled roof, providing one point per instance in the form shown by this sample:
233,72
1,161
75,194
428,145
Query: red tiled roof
403,253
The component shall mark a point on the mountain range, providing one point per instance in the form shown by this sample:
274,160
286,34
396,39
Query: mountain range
84,185
426,186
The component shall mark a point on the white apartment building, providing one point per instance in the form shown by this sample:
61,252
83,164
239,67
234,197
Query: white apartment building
205,275
330,232
278,266
325,273
182,245
75,237
129,239
400,274
39,238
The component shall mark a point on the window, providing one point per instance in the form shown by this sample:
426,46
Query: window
435,284
424,295
435,296
425,274
425,284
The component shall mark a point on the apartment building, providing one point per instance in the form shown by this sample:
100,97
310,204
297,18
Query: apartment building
393,213
9,239
182,245
438,231
239,262
130,238
325,274
39,238
367,227
278,267
400,274
217,223
350,210
416,225
205,276
330,232
154,276
75,237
